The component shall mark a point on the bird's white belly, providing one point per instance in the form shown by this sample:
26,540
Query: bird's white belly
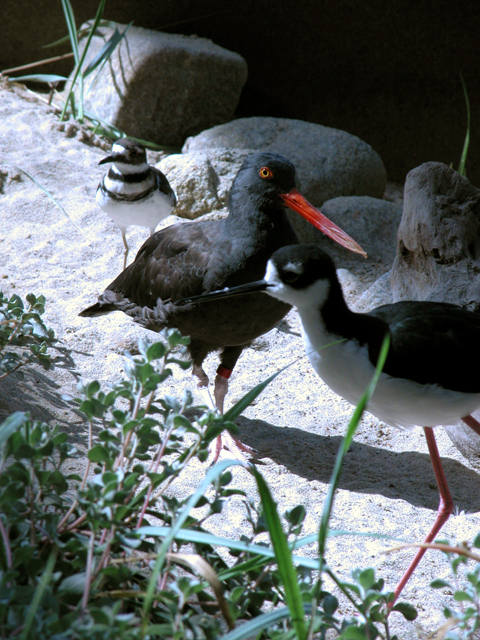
147,212
346,369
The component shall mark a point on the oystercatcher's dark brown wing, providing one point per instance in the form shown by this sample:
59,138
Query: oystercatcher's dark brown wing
174,262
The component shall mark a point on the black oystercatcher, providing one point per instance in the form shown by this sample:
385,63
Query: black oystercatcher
191,258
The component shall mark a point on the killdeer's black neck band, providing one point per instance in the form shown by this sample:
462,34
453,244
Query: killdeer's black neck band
126,197
131,178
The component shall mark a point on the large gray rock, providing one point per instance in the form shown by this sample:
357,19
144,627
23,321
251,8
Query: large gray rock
329,162
163,87
438,243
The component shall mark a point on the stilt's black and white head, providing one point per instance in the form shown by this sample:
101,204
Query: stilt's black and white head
300,275
128,156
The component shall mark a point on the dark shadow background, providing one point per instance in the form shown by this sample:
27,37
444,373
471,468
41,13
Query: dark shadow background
387,72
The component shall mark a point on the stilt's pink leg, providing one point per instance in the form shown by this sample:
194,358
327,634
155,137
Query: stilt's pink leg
445,507
472,423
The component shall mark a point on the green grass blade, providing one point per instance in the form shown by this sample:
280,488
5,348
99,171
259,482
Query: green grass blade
202,537
80,33
67,8
49,78
335,533
283,555
111,131
72,34
96,22
463,159
104,127
39,593
212,474
106,51
72,29
57,42
80,114
51,198
249,397
345,445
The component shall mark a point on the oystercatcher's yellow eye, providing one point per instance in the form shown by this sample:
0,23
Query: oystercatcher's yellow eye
266,173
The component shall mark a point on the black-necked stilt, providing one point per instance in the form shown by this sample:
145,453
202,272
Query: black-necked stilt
427,379
188,259
132,192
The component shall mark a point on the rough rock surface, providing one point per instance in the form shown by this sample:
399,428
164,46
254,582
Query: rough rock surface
438,250
378,294
163,87
329,162
387,484
202,180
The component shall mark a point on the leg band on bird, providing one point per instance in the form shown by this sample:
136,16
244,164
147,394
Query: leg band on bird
224,372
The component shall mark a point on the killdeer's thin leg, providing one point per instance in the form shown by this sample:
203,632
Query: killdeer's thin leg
125,244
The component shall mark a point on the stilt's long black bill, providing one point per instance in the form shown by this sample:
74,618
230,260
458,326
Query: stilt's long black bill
251,287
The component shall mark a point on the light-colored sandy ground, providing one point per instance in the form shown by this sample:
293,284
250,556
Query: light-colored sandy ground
387,484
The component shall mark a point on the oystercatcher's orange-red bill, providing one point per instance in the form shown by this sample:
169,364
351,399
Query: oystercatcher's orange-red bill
295,201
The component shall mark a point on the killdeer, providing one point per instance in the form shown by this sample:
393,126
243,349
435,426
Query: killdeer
132,192
189,258
427,379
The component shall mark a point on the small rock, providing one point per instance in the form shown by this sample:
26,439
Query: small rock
329,162
466,440
163,87
71,129
196,182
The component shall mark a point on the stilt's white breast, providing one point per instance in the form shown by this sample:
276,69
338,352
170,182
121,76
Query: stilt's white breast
347,370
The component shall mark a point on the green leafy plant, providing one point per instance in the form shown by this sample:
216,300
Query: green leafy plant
24,338
462,623
80,557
